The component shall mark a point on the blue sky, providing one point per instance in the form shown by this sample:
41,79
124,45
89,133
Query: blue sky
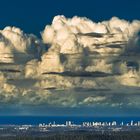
32,15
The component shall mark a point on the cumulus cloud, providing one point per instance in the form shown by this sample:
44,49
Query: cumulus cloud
84,39
15,45
86,33
74,57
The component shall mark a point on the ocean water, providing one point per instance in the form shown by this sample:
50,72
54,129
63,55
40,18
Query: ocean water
35,120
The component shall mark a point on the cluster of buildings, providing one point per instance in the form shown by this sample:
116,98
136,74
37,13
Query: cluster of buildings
71,126
91,124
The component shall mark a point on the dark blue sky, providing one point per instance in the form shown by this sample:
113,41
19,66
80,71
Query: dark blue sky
32,15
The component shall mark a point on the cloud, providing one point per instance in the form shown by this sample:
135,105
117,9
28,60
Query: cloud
92,101
75,32
16,45
78,63
80,39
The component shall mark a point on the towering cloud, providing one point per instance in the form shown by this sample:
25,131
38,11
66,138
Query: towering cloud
74,35
74,57
15,44
82,41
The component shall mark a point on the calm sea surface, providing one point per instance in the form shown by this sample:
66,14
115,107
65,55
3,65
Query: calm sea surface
35,120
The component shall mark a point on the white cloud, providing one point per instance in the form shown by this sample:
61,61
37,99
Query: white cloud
83,57
16,45
93,100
